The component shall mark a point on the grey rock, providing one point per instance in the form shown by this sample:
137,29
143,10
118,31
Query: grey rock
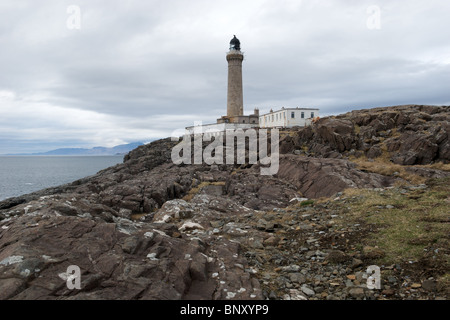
392,279
297,278
291,268
349,283
272,295
357,293
319,289
356,263
308,291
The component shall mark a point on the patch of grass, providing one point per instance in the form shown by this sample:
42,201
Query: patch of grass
437,166
291,133
305,148
137,216
417,220
306,203
383,166
444,282
395,133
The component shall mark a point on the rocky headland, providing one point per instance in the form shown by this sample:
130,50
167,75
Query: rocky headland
369,187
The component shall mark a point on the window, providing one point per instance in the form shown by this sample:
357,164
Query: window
303,115
292,115
243,121
272,118
312,114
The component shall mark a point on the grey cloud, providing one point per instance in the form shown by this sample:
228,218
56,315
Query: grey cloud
133,62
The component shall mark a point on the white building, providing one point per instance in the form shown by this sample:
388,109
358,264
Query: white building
288,118
215,129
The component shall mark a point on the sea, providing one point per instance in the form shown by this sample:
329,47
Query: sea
25,174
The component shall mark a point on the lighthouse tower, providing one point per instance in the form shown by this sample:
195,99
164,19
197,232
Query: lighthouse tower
235,101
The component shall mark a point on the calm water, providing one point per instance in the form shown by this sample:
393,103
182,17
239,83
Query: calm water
24,174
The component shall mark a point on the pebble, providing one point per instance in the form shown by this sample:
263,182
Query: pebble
305,240
291,268
319,289
357,293
272,295
335,284
392,279
388,292
308,291
356,263
297,278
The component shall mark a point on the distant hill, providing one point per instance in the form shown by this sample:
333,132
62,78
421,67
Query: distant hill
96,151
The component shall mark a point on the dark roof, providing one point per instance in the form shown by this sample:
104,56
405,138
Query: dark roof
235,41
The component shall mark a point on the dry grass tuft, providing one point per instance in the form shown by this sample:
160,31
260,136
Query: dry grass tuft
197,189
385,167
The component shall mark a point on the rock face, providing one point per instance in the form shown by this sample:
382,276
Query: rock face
409,135
316,177
118,259
150,229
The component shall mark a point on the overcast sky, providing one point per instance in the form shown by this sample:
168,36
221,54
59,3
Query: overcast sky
124,71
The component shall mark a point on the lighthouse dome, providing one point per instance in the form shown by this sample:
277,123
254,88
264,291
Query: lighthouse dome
235,44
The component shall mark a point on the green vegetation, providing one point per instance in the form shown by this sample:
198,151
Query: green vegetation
306,203
407,222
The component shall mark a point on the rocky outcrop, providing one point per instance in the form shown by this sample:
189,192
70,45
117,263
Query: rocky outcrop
119,259
150,229
316,177
408,135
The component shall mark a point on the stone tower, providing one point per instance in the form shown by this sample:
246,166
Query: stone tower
235,101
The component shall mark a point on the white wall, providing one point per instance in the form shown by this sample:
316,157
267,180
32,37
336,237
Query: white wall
274,119
217,128
283,118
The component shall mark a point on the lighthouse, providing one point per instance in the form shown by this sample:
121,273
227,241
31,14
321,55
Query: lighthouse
235,99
